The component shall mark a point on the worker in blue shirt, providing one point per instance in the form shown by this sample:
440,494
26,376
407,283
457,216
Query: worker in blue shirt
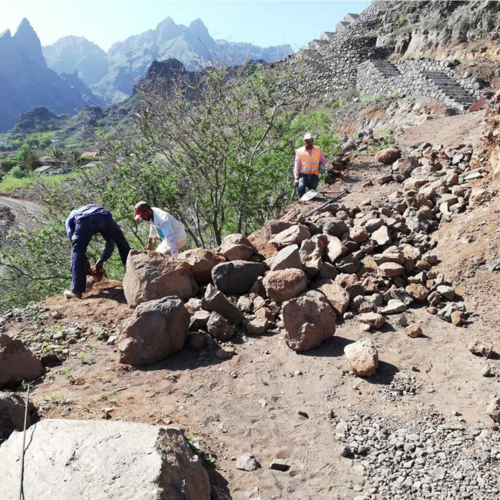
81,225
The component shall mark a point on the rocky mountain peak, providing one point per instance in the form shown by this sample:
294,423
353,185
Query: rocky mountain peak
28,41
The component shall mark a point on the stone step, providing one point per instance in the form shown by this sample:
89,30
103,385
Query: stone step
449,87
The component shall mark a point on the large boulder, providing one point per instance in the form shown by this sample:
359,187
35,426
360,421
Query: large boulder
202,262
236,247
236,277
216,301
337,296
287,258
294,235
17,362
152,276
363,357
103,460
156,330
285,285
308,322
12,409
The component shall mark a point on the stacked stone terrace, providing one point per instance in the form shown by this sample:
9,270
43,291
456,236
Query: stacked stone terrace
427,77
350,59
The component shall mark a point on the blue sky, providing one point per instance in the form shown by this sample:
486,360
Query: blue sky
107,21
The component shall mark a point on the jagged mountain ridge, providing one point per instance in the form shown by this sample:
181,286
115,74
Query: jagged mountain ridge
76,53
128,60
26,82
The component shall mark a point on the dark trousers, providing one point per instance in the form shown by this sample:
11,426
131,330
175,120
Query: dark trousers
84,230
307,181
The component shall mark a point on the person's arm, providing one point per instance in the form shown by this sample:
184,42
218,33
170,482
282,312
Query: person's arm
108,249
153,237
298,165
70,227
322,159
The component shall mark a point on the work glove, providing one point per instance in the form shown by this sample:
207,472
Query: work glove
296,182
321,169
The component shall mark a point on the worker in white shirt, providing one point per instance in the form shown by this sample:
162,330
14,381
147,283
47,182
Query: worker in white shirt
164,227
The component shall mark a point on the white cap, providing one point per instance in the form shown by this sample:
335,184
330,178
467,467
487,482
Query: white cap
308,136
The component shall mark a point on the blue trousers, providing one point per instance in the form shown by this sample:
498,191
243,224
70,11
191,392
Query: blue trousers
84,230
309,181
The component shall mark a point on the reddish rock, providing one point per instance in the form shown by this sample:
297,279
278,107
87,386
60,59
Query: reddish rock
152,276
390,269
414,330
17,363
337,296
202,262
308,322
363,357
374,320
156,330
358,234
285,285
311,254
219,327
294,235
388,156
236,247
417,292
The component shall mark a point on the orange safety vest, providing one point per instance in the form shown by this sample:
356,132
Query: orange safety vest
310,162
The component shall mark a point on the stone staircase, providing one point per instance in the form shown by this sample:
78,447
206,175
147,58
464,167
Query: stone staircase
385,69
450,88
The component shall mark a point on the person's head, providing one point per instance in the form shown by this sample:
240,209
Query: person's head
308,141
143,211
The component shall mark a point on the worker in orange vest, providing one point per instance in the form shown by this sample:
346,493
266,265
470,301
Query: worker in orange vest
309,162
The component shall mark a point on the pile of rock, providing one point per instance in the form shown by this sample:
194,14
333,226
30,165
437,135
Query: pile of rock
431,459
364,261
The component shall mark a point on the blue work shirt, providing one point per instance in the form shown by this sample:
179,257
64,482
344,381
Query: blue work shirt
81,213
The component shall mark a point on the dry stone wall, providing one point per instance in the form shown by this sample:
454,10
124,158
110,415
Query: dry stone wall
426,77
356,57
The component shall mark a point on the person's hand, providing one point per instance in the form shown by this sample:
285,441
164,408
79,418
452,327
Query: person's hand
99,266
296,182
322,169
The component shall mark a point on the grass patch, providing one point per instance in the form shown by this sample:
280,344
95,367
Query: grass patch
10,183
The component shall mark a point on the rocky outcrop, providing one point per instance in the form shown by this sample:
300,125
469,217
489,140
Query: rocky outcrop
151,276
103,460
17,363
156,330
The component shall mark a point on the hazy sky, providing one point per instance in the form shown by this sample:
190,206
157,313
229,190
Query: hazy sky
107,21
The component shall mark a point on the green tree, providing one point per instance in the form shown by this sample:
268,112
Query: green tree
57,155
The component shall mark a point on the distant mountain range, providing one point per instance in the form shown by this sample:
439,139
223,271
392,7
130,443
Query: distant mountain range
112,76
73,73
26,82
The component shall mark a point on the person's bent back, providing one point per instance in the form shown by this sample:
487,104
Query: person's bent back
81,225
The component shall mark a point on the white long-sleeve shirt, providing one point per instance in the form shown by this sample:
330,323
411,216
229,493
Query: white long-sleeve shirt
168,228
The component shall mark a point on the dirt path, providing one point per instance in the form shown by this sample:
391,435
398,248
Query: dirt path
446,130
